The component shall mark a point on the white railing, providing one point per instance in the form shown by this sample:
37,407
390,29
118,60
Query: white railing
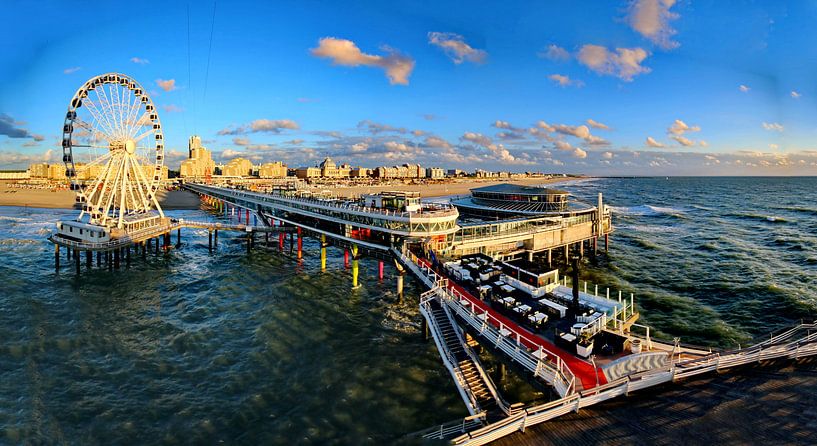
798,348
541,361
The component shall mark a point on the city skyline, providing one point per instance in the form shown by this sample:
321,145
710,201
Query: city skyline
623,88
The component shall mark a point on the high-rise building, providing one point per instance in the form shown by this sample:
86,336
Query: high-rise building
200,160
237,167
273,170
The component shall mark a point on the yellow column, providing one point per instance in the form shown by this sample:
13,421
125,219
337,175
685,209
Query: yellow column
355,268
323,252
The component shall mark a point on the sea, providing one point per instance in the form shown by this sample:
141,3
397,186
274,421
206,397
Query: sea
226,347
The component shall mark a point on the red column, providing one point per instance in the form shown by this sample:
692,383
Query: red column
300,244
248,216
381,270
281,240
345,258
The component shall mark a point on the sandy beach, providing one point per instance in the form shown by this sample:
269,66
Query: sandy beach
66,199
437,190
179,199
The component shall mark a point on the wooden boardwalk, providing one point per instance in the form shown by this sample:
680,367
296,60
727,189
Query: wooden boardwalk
772,404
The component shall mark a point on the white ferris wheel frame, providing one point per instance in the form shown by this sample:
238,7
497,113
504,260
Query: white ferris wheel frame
125,126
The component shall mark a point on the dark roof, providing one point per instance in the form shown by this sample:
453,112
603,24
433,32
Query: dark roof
507,188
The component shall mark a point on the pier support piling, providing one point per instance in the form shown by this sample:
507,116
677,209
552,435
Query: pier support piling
116,259
380,270
57,257
76,260
323,252
127,256
606,243
89,259
179,238
300,244
281,241
550,257
210,240
355,266
215,238
346,258
98,259
400,275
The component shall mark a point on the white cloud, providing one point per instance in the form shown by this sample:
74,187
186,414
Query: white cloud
436,142
563,145
773,126
774,146
554,52
502,125
344,52
597,125
139,60
166,85
261,125
565,81
795,94
580,131
651,142
651,18
172,108
477,138
624,63
607,155
744,88
71,70
683,140
455,47
359,147
579,153
680,127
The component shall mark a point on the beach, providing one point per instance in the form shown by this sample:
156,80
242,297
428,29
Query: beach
66,199
431,190
14,195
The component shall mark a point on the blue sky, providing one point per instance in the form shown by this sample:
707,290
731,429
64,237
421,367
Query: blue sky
717,87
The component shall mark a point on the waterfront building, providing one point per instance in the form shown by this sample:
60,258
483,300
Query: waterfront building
200,161
272,170
237,167
56,172
360,172
435,173
38,170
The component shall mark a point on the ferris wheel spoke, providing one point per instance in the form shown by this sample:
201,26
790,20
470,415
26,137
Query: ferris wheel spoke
133,111
107,110
143,134
100,117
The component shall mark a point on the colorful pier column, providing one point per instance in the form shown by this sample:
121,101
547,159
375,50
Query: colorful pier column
323,252
355,267
247,220
345,258
281,241
300,244
56,257
380,270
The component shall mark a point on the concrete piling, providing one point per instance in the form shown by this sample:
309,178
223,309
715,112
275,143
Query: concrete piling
57,257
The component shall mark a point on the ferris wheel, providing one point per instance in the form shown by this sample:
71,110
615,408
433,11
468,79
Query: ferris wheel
113,149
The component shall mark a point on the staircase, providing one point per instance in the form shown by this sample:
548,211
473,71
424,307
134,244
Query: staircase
467,368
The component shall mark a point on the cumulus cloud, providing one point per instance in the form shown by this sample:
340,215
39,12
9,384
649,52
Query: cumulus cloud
139,60
683,140
166,85
597,125
651,142
795,94
579,131
607,155
71,70
502,125
261,125
455,47
359,147
398,67
565,81
651,19
579,153
554,52
624,63
562,145
773,126
744,88
436,142
680,127
477,138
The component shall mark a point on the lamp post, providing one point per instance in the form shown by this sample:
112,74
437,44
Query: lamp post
595,370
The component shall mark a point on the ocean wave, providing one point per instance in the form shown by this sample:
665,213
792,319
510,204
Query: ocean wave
800,209
15,219
760,217
648,210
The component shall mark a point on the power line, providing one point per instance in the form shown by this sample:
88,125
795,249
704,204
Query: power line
209,52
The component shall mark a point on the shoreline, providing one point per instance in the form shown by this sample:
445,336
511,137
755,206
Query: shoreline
180,199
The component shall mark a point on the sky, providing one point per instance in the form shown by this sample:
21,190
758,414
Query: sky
644,87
